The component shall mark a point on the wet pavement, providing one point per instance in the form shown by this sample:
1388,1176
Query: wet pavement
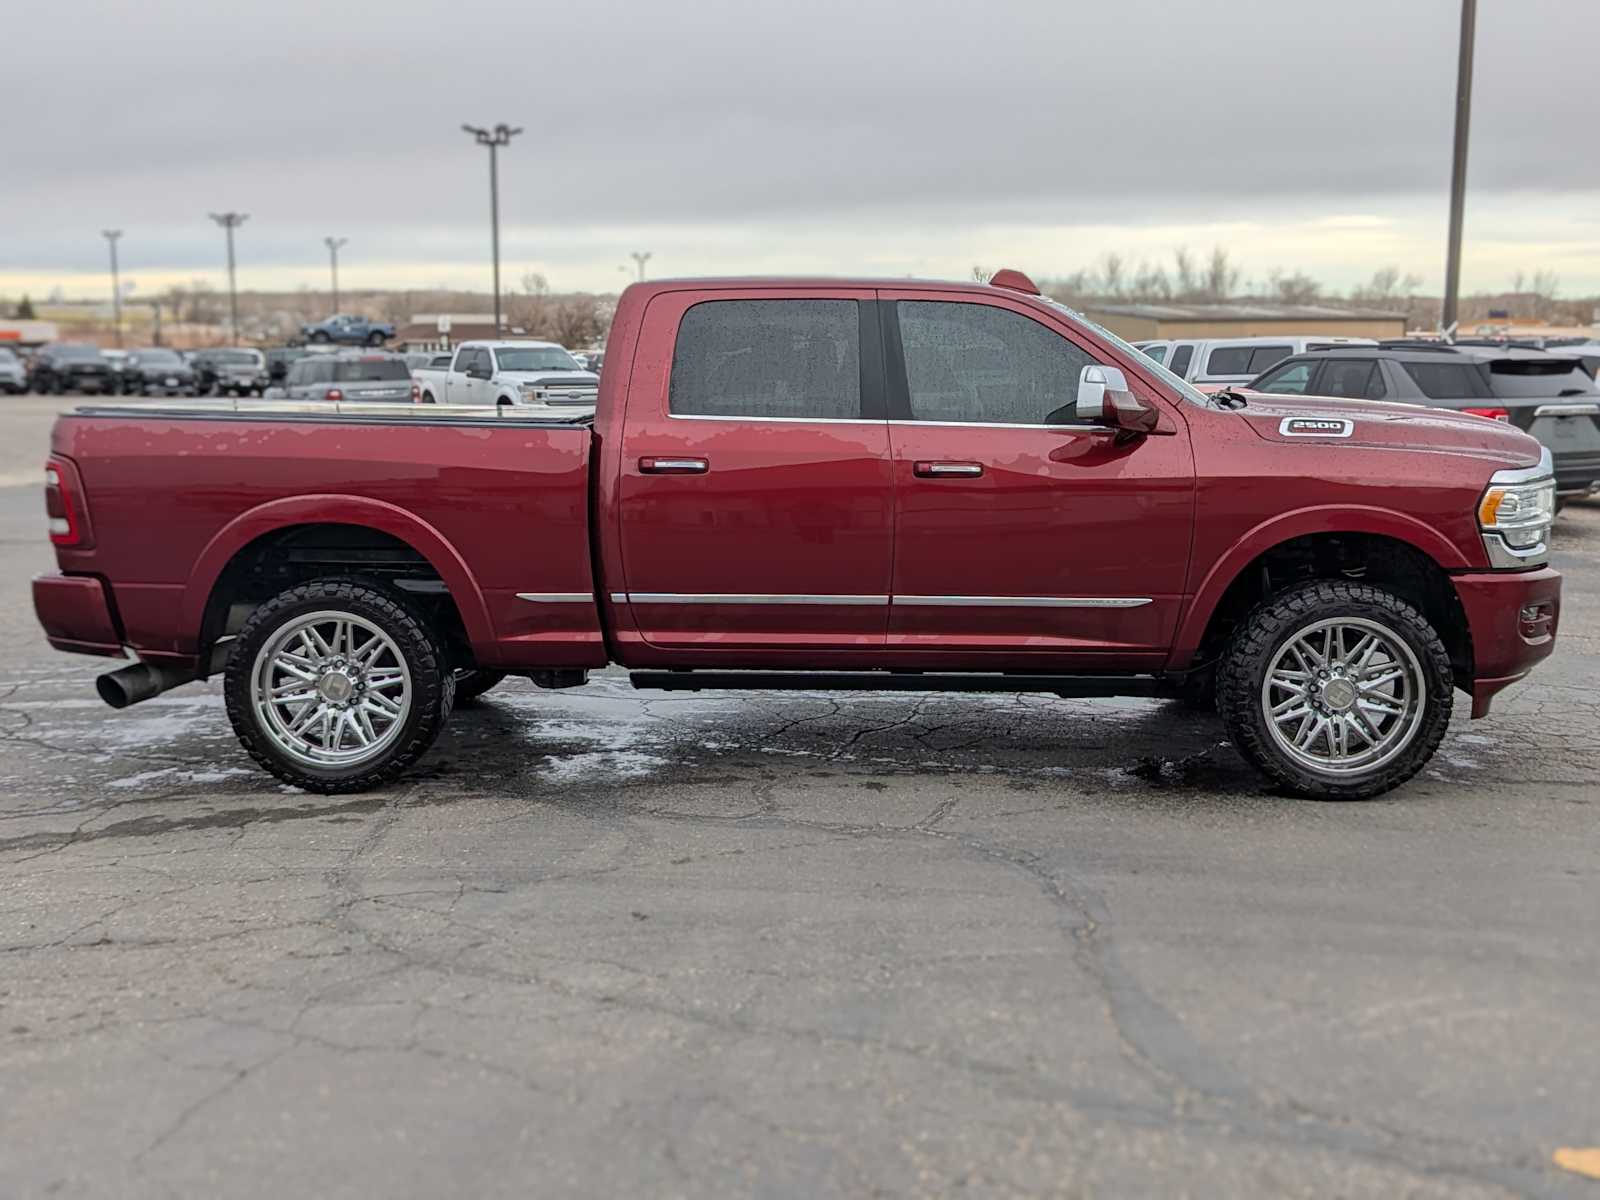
606,942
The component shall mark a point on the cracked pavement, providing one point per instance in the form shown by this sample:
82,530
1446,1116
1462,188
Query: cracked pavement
606,942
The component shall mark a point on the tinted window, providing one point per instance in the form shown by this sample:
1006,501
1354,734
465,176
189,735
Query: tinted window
1291,379
1181,358
1229,360
1517,378
1353,378
363,371
1448,380
1263,357
463,359
971,362
768,358
536,358
1245,360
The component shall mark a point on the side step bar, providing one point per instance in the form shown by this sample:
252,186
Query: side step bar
908,681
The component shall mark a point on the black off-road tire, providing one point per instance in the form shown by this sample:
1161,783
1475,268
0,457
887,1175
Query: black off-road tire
1242,670
375,339
433,683
473,683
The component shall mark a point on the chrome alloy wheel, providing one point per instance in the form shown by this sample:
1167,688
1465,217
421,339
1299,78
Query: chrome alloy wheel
1343,696
331,689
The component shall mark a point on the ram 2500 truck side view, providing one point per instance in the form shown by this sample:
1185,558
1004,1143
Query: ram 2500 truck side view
816,484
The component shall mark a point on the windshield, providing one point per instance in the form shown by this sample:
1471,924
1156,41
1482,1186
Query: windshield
158,355
72,350
536,358
237,357
1184,389
371,371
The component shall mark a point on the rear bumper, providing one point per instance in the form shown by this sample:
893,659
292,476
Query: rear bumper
1513,618
75,611
1576,471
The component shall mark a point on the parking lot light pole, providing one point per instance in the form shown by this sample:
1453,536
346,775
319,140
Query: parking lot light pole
333,245
639,260
111,236
1458,170
231,221
501,135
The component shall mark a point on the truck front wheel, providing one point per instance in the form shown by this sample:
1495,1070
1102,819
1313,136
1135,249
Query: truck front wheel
1336,690
337,686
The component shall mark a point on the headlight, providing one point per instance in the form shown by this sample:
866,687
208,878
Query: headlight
1515,514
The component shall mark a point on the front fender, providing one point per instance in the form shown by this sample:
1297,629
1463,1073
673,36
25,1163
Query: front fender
1332,518
338,510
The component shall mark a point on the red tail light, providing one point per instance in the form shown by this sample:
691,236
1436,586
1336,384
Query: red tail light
416,394
1494,414
335,394
63,504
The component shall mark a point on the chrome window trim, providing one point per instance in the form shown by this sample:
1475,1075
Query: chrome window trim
672,416
556,597
1023,601
1064,427
1576,409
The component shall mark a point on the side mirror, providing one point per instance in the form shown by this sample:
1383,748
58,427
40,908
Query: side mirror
1104,399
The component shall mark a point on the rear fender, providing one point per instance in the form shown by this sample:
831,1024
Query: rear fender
339,510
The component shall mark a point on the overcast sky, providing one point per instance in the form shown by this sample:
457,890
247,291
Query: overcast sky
884,136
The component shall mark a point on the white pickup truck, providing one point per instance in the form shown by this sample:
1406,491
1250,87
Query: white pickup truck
520,373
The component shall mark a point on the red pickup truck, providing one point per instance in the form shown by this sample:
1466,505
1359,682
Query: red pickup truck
816,484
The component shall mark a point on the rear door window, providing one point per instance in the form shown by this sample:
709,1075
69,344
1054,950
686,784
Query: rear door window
768,359
1245,360
977,364
1182,356
1351,378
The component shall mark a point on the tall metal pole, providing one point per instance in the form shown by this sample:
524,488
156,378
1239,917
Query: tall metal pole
333,245
1458,171
111,236
501,135
229,222
639,260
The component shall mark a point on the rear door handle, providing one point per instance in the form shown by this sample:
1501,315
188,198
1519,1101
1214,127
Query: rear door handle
947,470
673,466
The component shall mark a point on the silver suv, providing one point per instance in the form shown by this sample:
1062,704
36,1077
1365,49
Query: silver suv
353,375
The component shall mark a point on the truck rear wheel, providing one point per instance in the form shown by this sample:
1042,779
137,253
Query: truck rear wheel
337,686
1336,690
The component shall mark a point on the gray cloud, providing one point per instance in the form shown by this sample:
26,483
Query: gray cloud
345,117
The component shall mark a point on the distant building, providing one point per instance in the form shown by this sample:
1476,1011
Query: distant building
1145,322
26,335
442,331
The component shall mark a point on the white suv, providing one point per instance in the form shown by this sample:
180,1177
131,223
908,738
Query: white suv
1221,361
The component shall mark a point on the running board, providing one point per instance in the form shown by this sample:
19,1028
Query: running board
906,681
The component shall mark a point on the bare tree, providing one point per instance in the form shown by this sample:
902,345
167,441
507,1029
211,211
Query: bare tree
1221,278
1298,288
577,321
1387,287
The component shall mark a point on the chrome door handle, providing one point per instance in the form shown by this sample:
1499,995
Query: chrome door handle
673,466
947,470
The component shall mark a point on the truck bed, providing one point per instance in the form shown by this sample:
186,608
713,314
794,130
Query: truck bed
495,504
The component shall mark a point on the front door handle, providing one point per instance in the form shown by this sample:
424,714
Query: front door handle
947,470
673,466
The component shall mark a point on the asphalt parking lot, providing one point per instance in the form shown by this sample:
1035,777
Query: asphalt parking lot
609,943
